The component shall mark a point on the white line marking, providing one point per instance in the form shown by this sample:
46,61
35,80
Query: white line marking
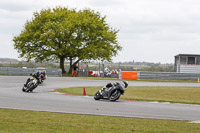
194,122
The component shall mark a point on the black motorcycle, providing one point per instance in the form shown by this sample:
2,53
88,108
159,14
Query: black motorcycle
31,85
112,93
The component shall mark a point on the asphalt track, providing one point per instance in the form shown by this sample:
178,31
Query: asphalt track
42,99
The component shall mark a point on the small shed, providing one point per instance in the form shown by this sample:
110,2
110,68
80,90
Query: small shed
187,63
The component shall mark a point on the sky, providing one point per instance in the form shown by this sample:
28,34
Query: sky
149,30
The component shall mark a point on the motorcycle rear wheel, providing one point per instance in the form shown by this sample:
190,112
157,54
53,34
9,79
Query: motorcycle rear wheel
115,95
97,96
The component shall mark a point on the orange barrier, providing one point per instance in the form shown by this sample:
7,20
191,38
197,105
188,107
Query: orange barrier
129,75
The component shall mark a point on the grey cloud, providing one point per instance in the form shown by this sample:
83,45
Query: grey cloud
157,28
15,5
106,3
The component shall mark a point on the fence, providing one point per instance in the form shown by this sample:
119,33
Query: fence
140,75
27,71
85,73
165,76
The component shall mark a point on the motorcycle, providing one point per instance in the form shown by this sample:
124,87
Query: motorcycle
31,85
112,93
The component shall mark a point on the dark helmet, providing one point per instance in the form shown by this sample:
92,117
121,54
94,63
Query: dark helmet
125,83
38,73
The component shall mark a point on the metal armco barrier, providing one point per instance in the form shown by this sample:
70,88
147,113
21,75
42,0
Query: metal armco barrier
27,71
162,76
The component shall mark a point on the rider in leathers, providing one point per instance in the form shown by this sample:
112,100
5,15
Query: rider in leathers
122,84
35,75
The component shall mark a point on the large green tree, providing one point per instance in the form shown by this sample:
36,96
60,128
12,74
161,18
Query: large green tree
67,34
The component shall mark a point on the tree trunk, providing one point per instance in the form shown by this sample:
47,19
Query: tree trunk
72,65
62,64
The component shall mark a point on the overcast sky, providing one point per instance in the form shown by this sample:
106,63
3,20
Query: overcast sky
149,30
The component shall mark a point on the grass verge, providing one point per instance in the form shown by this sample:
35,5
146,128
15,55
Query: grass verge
20,121
99,78
189,95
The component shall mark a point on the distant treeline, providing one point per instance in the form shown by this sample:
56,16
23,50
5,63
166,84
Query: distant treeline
94,65
8,60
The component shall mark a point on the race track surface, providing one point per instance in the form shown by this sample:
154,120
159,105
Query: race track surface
42,99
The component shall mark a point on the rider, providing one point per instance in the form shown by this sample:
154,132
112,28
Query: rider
43,75
123,84
36,75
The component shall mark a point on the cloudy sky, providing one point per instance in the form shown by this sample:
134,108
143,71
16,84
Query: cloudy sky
149,30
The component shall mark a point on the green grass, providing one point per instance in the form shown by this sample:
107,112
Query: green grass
189,95
19,121
100,78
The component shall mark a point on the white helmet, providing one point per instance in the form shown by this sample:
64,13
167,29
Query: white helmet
125,83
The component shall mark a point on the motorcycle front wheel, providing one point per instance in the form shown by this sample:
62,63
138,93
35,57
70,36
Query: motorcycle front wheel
115,95
97,96
30,87
23,89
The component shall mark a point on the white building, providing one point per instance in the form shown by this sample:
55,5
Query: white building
187,63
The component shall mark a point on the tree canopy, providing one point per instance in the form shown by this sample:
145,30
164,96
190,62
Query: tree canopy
67,34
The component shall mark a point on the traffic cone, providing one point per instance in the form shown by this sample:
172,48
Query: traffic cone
84,92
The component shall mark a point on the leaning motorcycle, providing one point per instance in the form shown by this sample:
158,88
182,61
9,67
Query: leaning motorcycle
112,93
31,85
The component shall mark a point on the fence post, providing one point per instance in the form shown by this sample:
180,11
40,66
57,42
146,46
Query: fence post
120,74
103,70
87,70
138,75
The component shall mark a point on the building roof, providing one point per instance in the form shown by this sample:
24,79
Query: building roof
187,55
